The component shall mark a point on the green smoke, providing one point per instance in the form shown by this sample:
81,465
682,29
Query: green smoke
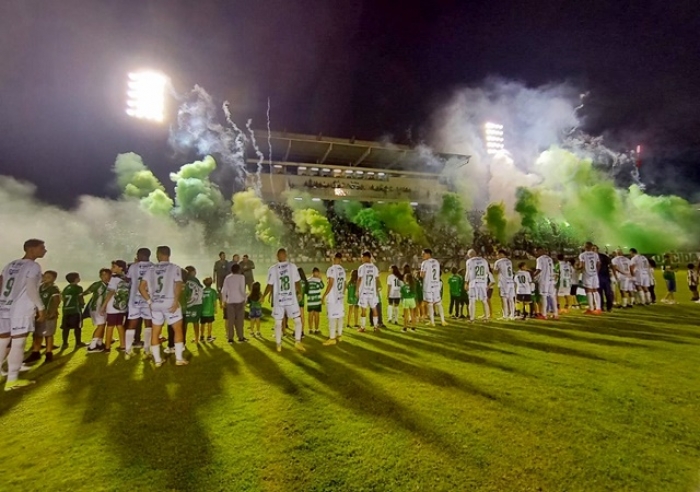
368,219
527,205
137,181
311,221
309,216
196,197
495,221
574,193
452,217
364,217
347,209
249,209
158,203
400,218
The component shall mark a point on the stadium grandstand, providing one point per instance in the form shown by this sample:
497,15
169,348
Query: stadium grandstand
349,169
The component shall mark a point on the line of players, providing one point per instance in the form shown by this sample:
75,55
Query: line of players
154,291
556,280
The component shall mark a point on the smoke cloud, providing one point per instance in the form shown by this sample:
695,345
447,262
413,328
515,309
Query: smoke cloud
92,234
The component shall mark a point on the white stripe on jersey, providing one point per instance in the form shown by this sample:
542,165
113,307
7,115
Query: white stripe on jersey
431,270
283,278
368,274
337,273
14,301
161,280
477,270
137,272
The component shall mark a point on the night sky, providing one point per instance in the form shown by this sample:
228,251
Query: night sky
337,67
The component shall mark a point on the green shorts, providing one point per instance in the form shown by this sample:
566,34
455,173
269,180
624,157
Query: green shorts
408,303
353,301
193,313
314,309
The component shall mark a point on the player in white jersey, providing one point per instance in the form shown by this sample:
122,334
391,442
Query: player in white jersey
20,307
367,289
138,308
589,263
333,297
566,279
623,273
432,286
393,287
523,289
283,281
476,282
639,267
544,275
161,288
506,284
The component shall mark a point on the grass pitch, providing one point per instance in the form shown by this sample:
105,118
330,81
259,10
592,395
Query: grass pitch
583,404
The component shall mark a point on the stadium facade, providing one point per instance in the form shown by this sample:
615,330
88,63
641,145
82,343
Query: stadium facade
349,169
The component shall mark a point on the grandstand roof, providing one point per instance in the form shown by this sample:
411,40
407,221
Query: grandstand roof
318,149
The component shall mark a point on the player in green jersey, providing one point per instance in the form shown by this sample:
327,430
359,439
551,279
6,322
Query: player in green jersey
456,283
353,308
209,300
408,302
314,290
72,298
45,330
193,309
94,306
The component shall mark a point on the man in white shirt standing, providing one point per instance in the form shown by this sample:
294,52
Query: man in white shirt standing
368,290
333,298
20,307
639,267
432,288
544,275
161,288
621,268
506,284
589,262
476,282
283,282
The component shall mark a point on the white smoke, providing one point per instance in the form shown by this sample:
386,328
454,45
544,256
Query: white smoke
92,234
533,119
198,128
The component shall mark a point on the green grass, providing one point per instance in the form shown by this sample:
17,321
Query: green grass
584,404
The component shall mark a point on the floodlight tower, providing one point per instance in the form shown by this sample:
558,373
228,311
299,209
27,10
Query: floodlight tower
493,134
146,95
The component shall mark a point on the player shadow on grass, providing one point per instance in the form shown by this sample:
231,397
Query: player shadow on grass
150,415
43,373
423,344
624,329
377,361
357,393
558,331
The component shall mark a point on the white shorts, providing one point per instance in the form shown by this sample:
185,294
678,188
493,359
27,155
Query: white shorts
97,319
368,299
642,281
17,326
162,316
432,296
140,311
478,292
336,310
546,288
626,284
292,312
564,290
507,290
591,282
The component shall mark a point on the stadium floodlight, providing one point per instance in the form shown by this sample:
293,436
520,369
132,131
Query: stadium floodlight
146,95
493,134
